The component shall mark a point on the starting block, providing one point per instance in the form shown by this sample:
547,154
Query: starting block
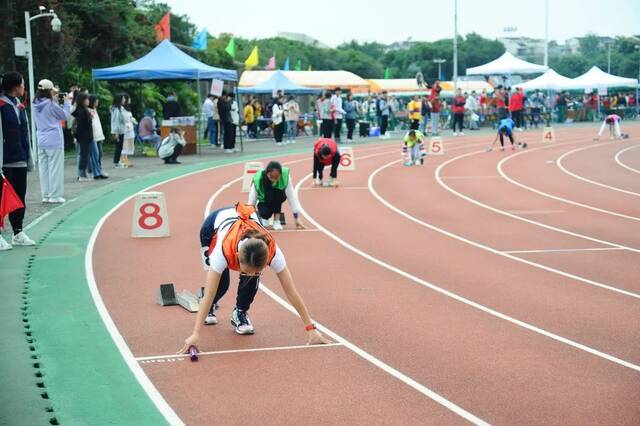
188,300
250,169
166,295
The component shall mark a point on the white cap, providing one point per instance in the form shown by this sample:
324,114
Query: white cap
45,84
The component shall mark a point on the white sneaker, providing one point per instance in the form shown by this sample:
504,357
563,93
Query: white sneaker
57,200
242,323
455,133
277,226
84,179
293,141
236,150
21,239
318,182
278,143
4,245
228,151
270,222
211,318
461,134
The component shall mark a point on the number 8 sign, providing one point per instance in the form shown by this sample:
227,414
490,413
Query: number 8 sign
347,159
436,147
150,218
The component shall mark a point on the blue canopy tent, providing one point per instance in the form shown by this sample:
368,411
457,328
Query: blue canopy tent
279,81
164,62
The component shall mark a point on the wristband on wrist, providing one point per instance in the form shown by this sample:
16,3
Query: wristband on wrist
295,215
310,327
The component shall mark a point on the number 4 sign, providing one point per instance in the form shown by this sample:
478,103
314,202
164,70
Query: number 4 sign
436,147
150,218
548,136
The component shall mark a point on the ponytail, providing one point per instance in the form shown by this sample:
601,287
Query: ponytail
255,251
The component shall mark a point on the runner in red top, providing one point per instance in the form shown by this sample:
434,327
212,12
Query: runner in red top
325,152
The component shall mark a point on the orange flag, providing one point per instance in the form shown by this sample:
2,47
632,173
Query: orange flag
9,201
163,28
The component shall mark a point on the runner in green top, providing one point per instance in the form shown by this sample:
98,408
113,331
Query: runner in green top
270,188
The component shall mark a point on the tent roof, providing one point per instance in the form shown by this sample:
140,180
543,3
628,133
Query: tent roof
549,80
396,85
315,79
595,77
164,62
279,81
507,64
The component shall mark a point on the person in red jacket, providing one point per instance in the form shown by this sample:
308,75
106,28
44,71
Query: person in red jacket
458,112
325,152
516,106
500,102
434,101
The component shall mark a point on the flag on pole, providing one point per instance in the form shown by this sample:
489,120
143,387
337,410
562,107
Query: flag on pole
9,200
200,40
231,48
387,74
163,28
298,65
253,59
271,65
286,64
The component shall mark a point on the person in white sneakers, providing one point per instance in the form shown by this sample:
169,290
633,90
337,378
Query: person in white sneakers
277,116
325,153
15,155
271,187
232,238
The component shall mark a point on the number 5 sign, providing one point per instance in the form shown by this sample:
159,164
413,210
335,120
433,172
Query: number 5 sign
347,160
436,147
548,136
150,218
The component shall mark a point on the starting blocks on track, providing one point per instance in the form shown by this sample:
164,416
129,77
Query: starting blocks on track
188,300
150,216
166,295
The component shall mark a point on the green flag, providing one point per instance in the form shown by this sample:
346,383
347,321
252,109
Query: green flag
387,74
298,65
231,48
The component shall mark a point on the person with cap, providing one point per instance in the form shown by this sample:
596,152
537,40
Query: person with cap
48,114
325,153
15,155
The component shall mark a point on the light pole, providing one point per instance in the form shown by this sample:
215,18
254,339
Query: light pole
546,33
55,26
455,46
439,62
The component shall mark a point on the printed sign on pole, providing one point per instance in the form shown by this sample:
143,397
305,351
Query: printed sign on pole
436,146
150,217
602,91
548,136
347,159
250,170
216,87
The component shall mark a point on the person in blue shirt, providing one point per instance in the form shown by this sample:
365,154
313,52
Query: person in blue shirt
505,127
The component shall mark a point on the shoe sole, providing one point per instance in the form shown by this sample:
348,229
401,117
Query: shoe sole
233,323
210,323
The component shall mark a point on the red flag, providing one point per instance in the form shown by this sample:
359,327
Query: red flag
9,201
163,28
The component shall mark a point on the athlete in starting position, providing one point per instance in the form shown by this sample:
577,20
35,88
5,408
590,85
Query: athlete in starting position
505,127
325,153
613,121
413,148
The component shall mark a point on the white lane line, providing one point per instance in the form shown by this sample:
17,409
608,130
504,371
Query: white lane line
620,163
293,231
47,214
487,248
592,182
536,211
356,349
523,219
311,188
237,351
561,250
473,177
555,197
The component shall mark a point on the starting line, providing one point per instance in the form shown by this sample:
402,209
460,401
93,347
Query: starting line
563,250
176,357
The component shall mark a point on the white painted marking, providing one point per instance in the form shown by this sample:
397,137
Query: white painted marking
535,211
620,163
315,188
593,182
47,214
554,197
561,250
473,177
237,351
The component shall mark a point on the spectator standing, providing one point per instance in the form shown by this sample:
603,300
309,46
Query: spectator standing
414,111
472,107
434,101
250,119
277,116
394,106
536,103
325,116
171,107
561,104
457,108
425,112
351,115
235,119
83,134
95,154
516,107
128,145
500,102
48,115
291,115
337,113
208,108
118,125
385,111
224,109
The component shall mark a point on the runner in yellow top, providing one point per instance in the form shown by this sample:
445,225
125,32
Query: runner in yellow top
413,148
414,108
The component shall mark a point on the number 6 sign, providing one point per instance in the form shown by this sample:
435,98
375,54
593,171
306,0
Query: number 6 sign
347,159
150,218
436,147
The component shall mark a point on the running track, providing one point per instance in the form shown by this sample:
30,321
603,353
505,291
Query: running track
484,287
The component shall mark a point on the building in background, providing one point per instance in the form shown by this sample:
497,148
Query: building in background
303,38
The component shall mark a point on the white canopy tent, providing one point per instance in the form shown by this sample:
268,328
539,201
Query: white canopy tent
595,78
550,80
507,64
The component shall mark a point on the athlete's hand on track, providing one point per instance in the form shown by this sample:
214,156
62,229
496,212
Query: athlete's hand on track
189,341
300,225
315,338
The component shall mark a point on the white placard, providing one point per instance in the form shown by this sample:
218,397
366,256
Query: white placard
216,87
436,146
602,91
150,216
548,135
250,170
347,159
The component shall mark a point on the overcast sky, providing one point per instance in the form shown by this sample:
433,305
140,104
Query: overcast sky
336,21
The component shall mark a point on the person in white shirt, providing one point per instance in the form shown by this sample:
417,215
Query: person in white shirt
209,109
235,119
471,107
338,113
172,146
291,115
278,119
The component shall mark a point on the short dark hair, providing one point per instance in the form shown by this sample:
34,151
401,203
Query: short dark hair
11,80
412,133
92,101
325,150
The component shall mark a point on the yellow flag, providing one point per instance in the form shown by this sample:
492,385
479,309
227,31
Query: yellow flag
252,60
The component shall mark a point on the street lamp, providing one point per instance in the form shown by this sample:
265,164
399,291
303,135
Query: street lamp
56,25
439,62
455,46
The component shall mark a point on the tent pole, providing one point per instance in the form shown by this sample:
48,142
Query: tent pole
239,102
199,117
